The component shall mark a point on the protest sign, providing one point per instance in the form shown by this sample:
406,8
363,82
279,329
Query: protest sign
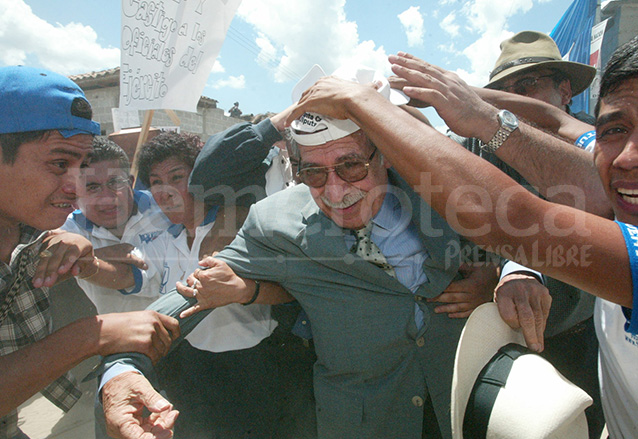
168,50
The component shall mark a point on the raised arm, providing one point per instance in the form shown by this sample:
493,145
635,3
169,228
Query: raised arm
541,159
482,203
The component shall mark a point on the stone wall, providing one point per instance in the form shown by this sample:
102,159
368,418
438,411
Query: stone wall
206,121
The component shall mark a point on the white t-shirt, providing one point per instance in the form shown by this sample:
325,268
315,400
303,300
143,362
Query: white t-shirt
227,328
618,353
618,370
141,231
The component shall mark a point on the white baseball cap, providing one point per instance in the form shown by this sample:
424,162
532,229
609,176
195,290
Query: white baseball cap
315,129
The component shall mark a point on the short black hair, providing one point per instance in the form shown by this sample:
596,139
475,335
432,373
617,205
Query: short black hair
182,146
11,142
105,150
622,65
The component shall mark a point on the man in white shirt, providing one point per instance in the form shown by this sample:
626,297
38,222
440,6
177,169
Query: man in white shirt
122,224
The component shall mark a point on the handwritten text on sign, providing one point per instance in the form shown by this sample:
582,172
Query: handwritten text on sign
168,50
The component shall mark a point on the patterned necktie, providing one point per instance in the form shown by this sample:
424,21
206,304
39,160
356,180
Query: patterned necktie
369,251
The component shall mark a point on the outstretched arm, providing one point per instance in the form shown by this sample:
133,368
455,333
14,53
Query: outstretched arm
28,370
540,160
485,205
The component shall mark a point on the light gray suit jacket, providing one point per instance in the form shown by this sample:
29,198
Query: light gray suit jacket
374,367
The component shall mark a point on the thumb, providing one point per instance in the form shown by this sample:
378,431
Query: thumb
153,400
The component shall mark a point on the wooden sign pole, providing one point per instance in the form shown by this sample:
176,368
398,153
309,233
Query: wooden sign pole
146,126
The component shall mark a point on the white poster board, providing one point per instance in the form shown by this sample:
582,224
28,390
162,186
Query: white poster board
168,50
597,34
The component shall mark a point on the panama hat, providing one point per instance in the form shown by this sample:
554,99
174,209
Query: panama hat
502,390
529,50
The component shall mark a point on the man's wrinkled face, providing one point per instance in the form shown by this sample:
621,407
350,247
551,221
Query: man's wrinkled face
616,153
539,84
350,205
105,194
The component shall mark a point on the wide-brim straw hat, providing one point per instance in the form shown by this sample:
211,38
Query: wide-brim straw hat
529,50
536,401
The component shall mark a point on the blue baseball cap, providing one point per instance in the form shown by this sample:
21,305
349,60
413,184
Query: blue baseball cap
34,99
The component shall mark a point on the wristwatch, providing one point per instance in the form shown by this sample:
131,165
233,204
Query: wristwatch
509,123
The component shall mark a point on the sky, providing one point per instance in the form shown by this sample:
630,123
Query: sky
271,44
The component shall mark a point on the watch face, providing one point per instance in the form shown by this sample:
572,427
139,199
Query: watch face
509,119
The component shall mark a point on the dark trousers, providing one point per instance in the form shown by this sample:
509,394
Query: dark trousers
226,395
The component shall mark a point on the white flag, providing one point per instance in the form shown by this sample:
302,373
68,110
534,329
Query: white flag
168,50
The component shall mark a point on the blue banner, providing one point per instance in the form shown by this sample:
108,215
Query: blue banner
572,34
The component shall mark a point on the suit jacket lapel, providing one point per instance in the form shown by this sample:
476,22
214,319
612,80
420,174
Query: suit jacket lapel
437,237
323,241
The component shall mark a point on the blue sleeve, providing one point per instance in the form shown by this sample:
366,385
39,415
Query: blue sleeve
630,233
234,159
139,281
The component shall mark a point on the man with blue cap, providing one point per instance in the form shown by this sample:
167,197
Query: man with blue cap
46,133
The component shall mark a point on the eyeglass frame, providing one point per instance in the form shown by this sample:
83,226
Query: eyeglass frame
110,185
334,168
526,88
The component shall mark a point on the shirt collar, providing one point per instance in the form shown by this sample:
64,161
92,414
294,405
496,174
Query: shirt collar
389,215
210,217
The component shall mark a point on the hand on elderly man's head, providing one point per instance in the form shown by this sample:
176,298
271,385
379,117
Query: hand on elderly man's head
330,96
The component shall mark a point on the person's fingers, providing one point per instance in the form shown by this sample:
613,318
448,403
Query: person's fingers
507,310
461,285
185,290
453,308
190,311
451,297
136,261
171,324
529,325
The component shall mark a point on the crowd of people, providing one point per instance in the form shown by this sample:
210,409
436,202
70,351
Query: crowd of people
310,274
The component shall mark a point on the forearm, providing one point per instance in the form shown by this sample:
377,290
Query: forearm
489,207
269,293
542,160
537,112
113,275
29,370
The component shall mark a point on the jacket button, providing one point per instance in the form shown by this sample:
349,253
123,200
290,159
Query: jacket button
420,342
417,401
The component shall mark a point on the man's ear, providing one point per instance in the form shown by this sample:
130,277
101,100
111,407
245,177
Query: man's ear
565,90
131,180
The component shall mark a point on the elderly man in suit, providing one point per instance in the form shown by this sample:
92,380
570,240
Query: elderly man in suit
362,253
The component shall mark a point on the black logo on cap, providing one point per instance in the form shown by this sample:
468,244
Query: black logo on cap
81,108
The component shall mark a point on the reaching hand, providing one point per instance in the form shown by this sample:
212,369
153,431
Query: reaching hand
63,253
124,398
463,296
459,106
217,285
146,332
524,302
330,96
120,254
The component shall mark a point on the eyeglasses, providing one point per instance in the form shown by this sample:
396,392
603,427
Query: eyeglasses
115,184
524,86
351,170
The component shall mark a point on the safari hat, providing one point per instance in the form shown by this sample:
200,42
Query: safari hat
529,50
502,390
